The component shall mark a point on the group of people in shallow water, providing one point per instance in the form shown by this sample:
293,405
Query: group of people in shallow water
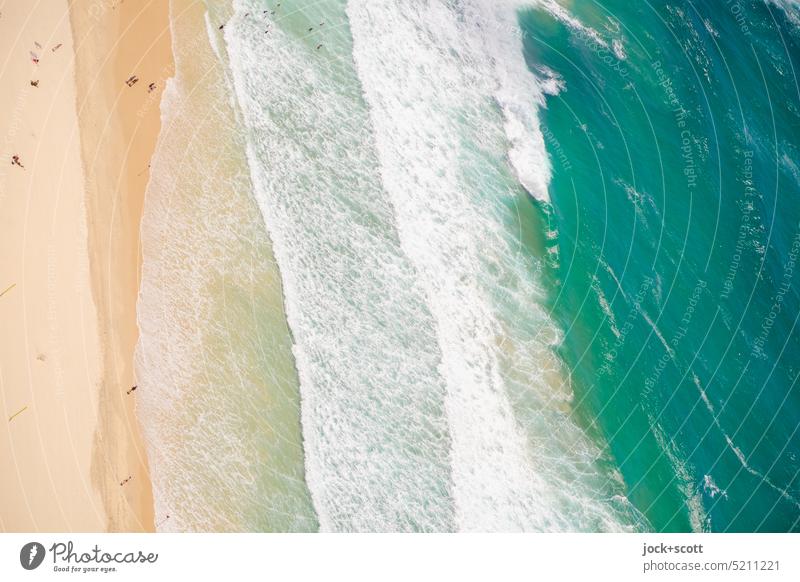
272,13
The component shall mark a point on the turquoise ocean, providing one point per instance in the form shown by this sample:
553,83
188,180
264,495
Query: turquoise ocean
473,265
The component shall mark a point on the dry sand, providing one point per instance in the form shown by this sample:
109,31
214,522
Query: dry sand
50,366
69,245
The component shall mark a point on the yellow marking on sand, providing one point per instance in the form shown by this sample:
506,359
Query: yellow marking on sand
9,288
16,414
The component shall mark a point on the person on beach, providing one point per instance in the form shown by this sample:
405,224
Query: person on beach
132,389
15,162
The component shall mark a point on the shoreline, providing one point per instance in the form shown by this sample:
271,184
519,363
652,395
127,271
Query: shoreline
119,127
76,142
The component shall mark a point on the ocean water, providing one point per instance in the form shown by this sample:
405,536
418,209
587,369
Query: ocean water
462,265
674,193
218,391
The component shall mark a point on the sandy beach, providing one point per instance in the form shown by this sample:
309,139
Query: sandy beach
70,260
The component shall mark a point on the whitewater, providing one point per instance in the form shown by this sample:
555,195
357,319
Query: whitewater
394,154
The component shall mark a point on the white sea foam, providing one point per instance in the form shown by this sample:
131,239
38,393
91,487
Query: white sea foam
431,397
431,73
783,492
711,488
375,435
790,7
604,305
685,476
619,49
669,349
565,17
516,90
